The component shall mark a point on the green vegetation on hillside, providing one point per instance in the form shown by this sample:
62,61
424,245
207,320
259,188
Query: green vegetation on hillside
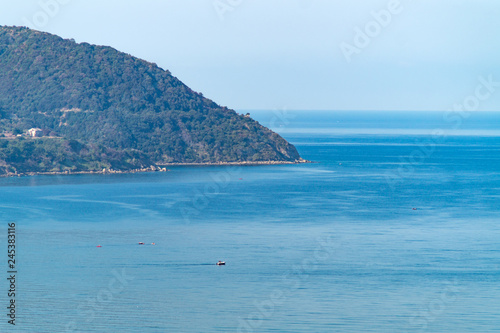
102,107
24,156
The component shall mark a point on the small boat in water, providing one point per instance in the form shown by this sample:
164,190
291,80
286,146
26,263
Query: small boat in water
221,263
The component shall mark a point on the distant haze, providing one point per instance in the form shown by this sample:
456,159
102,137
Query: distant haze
299,54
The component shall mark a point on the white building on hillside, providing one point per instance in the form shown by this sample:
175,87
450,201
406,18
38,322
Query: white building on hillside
35,133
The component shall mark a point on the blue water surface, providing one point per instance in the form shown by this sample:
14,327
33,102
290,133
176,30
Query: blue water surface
393,228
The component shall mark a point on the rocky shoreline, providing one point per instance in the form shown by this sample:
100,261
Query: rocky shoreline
91,172
161,167
300,161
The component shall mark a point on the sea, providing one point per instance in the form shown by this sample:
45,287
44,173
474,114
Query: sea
394,226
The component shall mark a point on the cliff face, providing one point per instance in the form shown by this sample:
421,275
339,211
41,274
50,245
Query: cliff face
98,107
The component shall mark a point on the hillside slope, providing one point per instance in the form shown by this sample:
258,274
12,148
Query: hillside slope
98,107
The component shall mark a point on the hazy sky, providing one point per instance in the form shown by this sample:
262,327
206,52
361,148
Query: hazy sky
298,54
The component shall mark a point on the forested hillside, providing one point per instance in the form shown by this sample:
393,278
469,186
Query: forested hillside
98,107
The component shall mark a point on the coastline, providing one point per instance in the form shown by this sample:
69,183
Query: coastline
90,172
160,167
300,161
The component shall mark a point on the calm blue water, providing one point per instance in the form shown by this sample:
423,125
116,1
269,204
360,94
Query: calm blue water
333,246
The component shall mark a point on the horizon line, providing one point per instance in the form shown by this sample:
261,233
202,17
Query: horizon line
359,110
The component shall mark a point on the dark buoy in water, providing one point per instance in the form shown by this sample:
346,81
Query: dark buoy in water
415,208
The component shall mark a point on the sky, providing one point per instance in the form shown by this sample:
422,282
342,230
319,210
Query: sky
298,54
